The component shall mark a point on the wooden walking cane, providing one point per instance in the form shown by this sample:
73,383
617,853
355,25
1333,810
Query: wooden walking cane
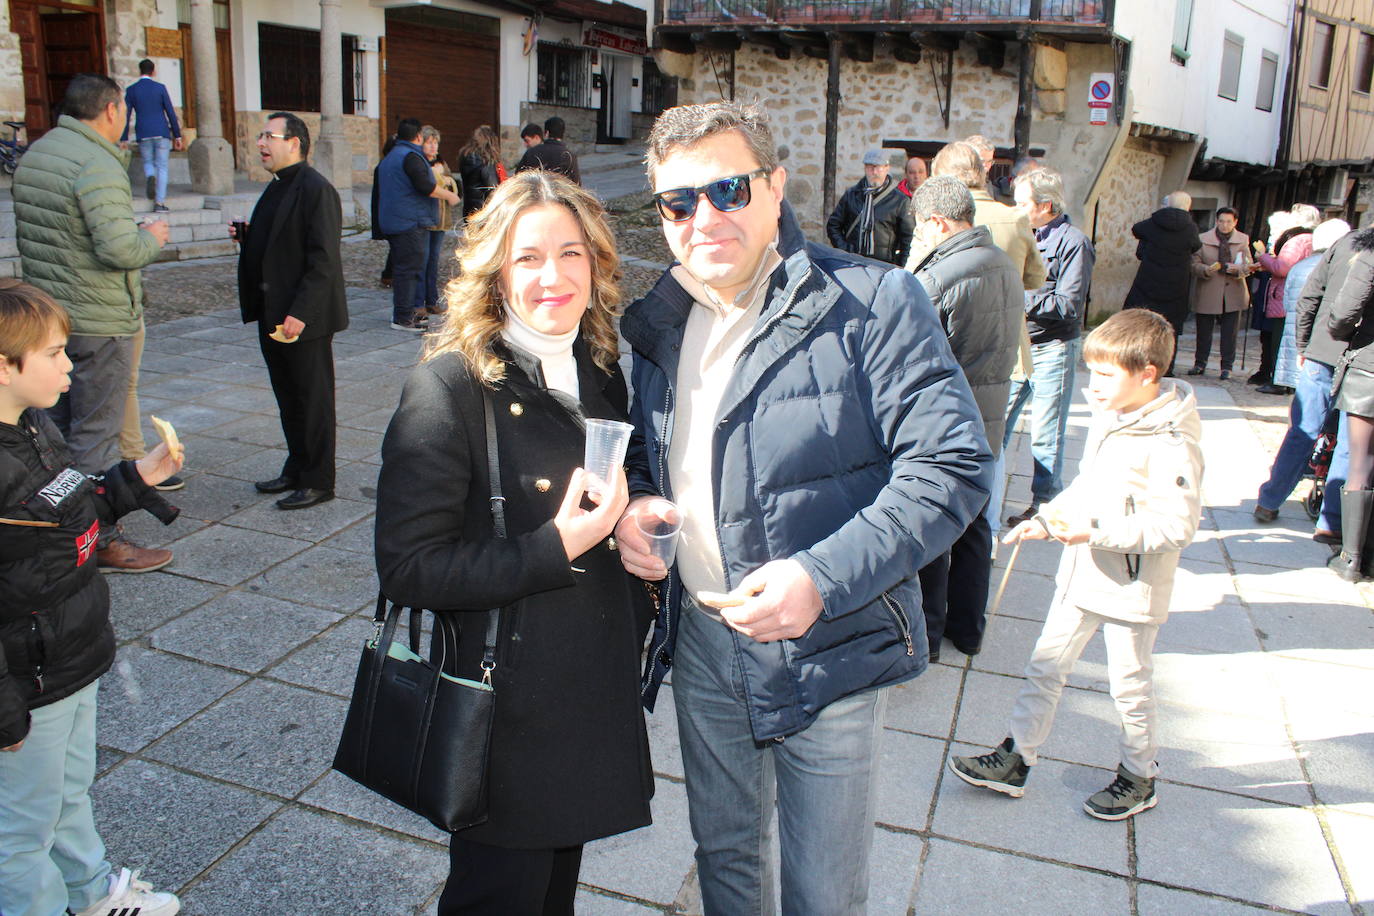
1006,577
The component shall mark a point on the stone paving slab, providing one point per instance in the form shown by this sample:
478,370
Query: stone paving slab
222,712
957,879
1274,854
303,863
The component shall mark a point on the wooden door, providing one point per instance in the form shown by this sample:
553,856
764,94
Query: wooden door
53,47
71,45
24,22
442,76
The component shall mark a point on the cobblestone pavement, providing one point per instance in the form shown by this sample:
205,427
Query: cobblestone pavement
219,719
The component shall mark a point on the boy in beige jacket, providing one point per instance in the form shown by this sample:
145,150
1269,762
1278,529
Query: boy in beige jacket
1126,518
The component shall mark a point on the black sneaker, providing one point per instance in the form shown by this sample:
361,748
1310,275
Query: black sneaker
171,483
1001,771
1128,795
1023,516
417,323
151,187
1196,370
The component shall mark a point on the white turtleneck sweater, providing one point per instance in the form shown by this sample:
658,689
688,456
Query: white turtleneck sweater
554,352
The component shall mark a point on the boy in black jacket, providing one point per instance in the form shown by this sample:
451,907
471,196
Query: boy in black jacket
55,633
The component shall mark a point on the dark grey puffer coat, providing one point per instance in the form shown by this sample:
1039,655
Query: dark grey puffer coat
977,291
1352,314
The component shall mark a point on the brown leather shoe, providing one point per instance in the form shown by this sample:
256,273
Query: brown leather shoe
123,556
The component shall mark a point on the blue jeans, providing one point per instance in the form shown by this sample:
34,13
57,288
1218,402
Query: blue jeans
1311,403
823,780
427,290
1049,390
51,856
155,151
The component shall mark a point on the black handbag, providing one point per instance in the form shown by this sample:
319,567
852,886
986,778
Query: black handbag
413,733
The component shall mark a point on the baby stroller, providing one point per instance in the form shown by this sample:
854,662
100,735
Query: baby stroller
1319,463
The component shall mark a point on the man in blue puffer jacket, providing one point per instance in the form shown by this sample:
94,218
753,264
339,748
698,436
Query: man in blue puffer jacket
803,408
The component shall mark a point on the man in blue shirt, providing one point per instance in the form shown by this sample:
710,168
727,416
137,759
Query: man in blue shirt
406,210
157,129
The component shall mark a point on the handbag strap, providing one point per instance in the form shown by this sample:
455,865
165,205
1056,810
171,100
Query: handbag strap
498,518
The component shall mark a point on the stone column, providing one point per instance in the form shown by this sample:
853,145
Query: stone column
211,160
333,155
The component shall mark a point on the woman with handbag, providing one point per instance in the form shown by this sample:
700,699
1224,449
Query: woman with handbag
1352,319
533,338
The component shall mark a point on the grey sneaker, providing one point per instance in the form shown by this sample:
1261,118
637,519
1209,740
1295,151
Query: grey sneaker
1127,795
1001,771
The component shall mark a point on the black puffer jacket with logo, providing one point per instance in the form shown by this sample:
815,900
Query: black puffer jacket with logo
55,633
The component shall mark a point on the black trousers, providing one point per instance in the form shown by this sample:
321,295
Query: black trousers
302,375
1229,321
409,250
959,612
1270,340
491,881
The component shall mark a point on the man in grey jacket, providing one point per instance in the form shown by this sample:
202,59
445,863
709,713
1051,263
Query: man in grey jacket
802,407
79,243
977,291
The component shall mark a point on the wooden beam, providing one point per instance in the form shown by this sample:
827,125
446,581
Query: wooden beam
718,41
992,52
677,42
1025,89
832,126
858,46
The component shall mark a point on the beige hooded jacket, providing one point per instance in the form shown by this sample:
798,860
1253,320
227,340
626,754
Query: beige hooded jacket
1139,489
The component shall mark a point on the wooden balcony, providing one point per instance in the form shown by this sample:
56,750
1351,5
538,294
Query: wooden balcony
1089,20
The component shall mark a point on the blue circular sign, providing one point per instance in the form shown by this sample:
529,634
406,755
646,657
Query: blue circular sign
1101,89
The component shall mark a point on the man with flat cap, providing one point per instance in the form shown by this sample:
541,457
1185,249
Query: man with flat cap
873,218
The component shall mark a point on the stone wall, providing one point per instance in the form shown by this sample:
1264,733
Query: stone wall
581,133
1128,194
361,131
889,99
12,88
125,24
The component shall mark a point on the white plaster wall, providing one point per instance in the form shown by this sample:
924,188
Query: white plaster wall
1184,97
357,18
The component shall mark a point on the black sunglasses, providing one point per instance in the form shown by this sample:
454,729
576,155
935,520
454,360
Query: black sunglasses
726,195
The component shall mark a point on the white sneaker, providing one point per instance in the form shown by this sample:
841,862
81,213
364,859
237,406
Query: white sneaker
131,897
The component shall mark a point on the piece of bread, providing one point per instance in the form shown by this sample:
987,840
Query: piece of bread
169,435
720,599
279,335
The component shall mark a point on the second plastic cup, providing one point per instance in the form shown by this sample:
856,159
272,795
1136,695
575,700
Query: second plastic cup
605,454
660,526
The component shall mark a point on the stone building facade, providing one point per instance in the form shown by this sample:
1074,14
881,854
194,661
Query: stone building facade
890,100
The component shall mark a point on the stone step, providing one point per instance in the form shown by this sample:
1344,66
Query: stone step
209,248
178,170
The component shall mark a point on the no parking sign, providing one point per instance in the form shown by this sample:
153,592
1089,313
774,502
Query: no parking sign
1101,96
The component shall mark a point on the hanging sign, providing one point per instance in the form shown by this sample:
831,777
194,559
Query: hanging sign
1101,97
594,37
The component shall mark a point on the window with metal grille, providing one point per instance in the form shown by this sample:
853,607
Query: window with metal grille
564,75
1232,51
1364,64
1268,79
660,90
1323,41
289,62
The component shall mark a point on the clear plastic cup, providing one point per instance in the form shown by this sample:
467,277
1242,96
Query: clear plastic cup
605,454
660,524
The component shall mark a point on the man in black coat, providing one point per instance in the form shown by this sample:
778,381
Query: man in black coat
872,218
1165,249
545,150
291,283
977,291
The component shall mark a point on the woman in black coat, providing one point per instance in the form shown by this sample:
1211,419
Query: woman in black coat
1352,319
479,166
532,328
1165,245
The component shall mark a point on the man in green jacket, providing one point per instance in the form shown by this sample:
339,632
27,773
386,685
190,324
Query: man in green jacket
79,242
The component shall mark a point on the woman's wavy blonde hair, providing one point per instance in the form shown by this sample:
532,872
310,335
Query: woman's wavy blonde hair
477,309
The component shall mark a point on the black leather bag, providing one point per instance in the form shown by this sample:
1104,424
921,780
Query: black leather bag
415,734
